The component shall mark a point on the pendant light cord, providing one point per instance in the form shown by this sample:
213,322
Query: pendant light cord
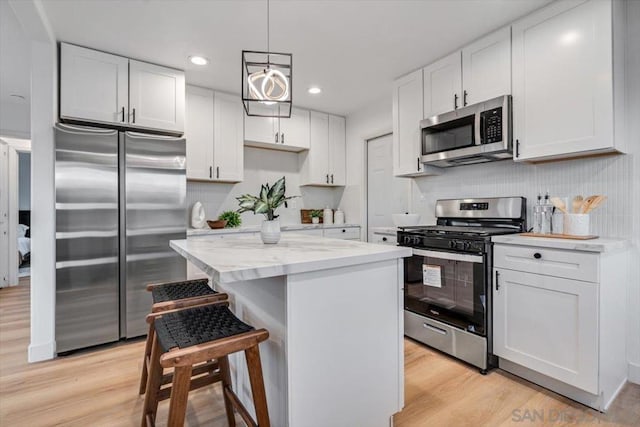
268,22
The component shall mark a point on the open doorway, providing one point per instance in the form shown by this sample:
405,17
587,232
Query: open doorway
386,194
24,214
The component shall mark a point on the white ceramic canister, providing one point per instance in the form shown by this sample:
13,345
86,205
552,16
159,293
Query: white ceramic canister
327,216
338,217
576,224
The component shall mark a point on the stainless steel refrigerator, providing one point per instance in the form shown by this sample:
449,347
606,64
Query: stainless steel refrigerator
120,199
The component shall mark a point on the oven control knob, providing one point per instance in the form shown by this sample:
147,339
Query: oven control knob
452,244
467,245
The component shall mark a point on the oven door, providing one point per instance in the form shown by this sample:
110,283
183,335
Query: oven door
449,287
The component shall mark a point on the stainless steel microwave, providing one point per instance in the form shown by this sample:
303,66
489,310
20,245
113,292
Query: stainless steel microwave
474,134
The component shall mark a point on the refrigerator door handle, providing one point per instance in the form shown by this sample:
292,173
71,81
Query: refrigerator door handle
63,127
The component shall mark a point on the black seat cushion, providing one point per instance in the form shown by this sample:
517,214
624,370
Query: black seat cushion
181,290
197,325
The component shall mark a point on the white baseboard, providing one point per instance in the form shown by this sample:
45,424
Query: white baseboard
634,373
41,352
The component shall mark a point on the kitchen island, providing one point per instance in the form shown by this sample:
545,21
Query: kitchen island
334,312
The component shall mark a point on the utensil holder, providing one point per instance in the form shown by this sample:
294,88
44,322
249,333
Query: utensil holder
576,224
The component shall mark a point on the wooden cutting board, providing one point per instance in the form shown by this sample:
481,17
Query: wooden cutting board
559,236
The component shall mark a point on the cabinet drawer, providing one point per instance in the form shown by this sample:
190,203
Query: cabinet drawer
550,262
352,233
384,239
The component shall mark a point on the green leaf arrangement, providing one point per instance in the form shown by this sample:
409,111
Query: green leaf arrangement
232,217
270,199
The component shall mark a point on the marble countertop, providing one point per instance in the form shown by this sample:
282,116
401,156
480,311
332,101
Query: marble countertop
256,228
600,244
245,257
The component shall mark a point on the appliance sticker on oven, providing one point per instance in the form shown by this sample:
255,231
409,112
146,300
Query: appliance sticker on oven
432,275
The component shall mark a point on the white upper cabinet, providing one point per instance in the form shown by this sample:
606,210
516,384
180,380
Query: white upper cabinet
156,97
407,114
294,131
199,133
215,150
566,79
486,68
337,150
98,87
94,86
324,164
228,147
442,85
286,134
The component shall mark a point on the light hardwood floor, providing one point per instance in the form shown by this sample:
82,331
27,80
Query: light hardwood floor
99,388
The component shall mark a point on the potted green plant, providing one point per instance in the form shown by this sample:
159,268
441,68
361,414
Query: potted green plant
232,217
315,216
270,199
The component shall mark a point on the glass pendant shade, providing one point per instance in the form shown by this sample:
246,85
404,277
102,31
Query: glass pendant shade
266,83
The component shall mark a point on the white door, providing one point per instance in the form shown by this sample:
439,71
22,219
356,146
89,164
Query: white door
318,157
547,324
228,153
407,114
562,80
94,86
157,97
443,85
337,150
199,133
486,68
294,131
261,129
386,194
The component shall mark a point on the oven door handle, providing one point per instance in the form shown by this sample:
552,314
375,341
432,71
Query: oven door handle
450,256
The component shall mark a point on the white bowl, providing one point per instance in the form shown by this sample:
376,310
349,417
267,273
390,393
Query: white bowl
404,220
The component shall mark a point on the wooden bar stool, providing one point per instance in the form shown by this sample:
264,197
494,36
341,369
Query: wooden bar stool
173,296
195,335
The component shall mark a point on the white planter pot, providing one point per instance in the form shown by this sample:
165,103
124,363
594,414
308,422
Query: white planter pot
315,220
270,232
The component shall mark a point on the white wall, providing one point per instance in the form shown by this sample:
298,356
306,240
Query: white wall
370,122
618,177
24,181
262,166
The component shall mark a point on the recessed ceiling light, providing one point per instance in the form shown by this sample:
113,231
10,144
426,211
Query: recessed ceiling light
314,90
198,60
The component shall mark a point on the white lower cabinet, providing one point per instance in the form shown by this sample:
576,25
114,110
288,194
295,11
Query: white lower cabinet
384,239
559,319
548,324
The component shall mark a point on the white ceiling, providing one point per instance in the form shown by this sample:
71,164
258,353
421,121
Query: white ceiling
15,59
352,49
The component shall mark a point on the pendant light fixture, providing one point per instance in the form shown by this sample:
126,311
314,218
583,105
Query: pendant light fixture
266,81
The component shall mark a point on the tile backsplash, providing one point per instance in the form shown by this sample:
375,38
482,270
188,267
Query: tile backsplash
262,166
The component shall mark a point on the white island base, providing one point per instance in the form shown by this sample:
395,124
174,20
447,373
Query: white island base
335,351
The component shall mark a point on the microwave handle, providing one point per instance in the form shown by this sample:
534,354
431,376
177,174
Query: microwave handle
478,131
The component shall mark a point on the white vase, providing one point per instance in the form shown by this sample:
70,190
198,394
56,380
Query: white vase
270,232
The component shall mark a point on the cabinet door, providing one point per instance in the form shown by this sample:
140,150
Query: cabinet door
94,86
407,114
337,150
486,68
443,85
294,131
547,324
562,80
157,97
318,156
261,129
228,152
199,133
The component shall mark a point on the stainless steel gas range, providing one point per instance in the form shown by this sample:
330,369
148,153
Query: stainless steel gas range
448,280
